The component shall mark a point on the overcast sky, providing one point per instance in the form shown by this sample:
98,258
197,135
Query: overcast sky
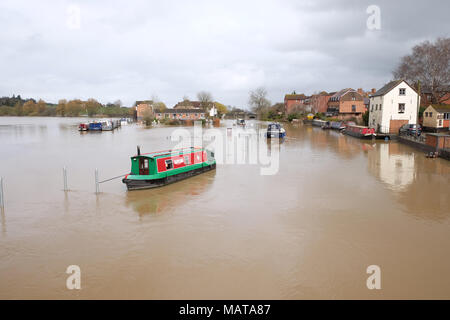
133,50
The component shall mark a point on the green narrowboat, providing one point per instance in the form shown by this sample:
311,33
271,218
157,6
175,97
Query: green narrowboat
156,169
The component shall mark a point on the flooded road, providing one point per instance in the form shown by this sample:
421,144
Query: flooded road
336,205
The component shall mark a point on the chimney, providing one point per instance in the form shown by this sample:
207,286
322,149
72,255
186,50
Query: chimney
360,91
373,90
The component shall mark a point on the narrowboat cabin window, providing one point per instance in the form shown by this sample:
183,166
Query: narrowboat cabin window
169,164
187,161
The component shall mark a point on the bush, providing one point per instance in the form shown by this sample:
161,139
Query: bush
293,116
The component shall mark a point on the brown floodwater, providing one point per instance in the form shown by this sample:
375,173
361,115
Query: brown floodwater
336,205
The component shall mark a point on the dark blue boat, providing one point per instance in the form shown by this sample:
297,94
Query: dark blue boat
95,126
275,130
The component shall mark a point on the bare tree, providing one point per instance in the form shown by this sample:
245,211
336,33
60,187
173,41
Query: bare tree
428,63
205,99
258,101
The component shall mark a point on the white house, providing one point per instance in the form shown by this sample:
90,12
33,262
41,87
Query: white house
392,106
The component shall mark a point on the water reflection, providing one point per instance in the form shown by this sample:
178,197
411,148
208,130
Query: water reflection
163,199
420,184
392,166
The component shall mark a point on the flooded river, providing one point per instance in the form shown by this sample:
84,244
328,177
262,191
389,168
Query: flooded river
335,206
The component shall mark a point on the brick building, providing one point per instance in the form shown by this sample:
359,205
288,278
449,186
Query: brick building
346,104
180,114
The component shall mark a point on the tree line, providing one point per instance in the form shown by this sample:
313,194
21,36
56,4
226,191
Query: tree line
16,106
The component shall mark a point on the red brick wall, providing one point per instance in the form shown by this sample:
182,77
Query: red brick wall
394,125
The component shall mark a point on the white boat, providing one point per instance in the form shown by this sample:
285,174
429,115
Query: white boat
107,125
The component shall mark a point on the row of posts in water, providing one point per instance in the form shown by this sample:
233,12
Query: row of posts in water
97,182
65,186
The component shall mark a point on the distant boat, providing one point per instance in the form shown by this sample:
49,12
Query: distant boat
337,125
160,168
107,125
360,131
275,130
327,125
318,123
83,127
95,126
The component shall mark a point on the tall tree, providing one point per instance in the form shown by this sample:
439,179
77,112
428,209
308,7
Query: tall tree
61,107
41,106
92,107
428,63
29,107
205,99
258,100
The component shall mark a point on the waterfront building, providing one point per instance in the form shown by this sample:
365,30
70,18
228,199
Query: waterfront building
392,106
345,104
180,114
143,109
296,103
436,118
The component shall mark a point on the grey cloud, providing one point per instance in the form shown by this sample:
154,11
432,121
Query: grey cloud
135,49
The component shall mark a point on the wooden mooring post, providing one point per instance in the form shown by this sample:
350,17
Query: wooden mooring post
2,198
65,178
97,187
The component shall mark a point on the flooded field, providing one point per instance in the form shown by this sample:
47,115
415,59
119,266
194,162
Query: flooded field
336,205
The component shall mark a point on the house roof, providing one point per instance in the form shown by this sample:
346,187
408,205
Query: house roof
440,107
294,96
389,86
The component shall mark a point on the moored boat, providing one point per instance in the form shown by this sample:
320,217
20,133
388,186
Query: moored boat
275,130
327,125
83,127
107,125
318,123
95,126
160,168
359,131
337,125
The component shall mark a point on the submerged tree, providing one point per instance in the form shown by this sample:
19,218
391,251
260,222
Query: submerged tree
428,63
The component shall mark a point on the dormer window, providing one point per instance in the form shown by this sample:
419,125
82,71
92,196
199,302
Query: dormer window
402,91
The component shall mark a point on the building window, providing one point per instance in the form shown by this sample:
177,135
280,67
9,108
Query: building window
402,91
446,116
169,164
440,123
353,98
380,106
196,114
426,114
376,107
401,108
430,114
353,108
371,108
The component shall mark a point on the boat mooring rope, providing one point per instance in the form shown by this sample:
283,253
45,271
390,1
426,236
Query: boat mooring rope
114,178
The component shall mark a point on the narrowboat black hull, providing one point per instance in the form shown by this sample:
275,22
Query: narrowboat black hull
358,135
133,184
